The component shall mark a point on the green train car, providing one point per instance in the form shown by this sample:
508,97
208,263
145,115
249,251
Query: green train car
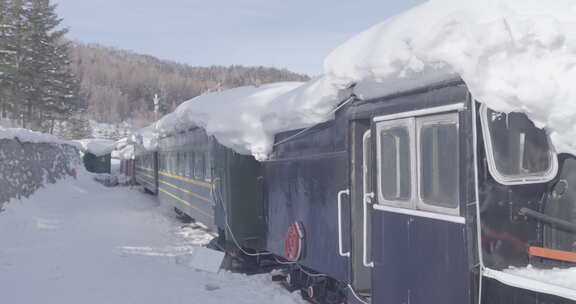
97,164
209,183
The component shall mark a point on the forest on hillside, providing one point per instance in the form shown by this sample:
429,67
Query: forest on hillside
121,85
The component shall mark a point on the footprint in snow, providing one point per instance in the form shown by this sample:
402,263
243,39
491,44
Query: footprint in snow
211,287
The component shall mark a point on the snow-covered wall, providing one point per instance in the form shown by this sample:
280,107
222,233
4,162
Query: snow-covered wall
25,166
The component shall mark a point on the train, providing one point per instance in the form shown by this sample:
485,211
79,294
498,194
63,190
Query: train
421,196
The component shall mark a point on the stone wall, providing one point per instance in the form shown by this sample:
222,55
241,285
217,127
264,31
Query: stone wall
25,167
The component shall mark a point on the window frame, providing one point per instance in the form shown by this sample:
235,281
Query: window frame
509,180
421,123
380,126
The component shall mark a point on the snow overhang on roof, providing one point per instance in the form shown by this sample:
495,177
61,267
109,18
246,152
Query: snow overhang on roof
513,55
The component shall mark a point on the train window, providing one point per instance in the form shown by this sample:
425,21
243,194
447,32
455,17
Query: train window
395,163
181,162
200,166
192,163
367,159
208,172
518,152
184,164
438,159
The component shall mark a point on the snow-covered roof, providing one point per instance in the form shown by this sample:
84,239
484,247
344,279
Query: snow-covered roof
233,116
97,146
514,55
25,135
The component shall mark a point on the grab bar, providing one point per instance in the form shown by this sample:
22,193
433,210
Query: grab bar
367,197
560,223
340,249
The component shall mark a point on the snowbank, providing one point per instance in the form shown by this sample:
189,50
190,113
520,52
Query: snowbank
32,162
96,146
514,55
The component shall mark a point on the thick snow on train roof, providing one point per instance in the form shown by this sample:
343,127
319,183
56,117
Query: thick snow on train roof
97,146
514,55
233,116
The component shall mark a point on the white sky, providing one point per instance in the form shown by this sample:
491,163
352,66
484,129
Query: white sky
295,34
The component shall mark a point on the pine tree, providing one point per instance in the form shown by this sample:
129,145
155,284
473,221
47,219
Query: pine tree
8,56
41,82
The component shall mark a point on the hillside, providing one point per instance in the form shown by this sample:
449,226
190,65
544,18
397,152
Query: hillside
120,85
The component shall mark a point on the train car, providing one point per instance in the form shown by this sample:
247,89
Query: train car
213,185
97,163
146,169
128,170
422,196
301,178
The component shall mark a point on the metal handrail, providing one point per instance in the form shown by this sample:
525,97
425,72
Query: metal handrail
340,249
367,197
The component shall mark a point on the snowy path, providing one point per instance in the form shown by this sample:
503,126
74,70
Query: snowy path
78,242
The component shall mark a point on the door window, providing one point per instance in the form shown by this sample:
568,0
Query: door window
395,162
438,162
418,163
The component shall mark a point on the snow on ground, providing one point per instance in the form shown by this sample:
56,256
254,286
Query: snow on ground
78,242
559,277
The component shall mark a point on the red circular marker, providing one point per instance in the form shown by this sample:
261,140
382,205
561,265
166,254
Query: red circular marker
293,242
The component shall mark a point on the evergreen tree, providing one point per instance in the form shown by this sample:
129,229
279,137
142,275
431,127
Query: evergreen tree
7,56
37,65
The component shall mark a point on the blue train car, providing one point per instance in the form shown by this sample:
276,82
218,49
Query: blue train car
421,196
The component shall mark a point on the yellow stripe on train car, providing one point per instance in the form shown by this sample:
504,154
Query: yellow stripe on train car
144,174
185,179
145,168
187,191
185,202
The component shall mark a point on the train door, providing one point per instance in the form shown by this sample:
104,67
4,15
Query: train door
360,176
418,241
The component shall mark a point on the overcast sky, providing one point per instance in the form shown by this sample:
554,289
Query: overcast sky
293,34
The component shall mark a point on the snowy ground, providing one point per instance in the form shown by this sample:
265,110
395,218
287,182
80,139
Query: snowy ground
78,242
